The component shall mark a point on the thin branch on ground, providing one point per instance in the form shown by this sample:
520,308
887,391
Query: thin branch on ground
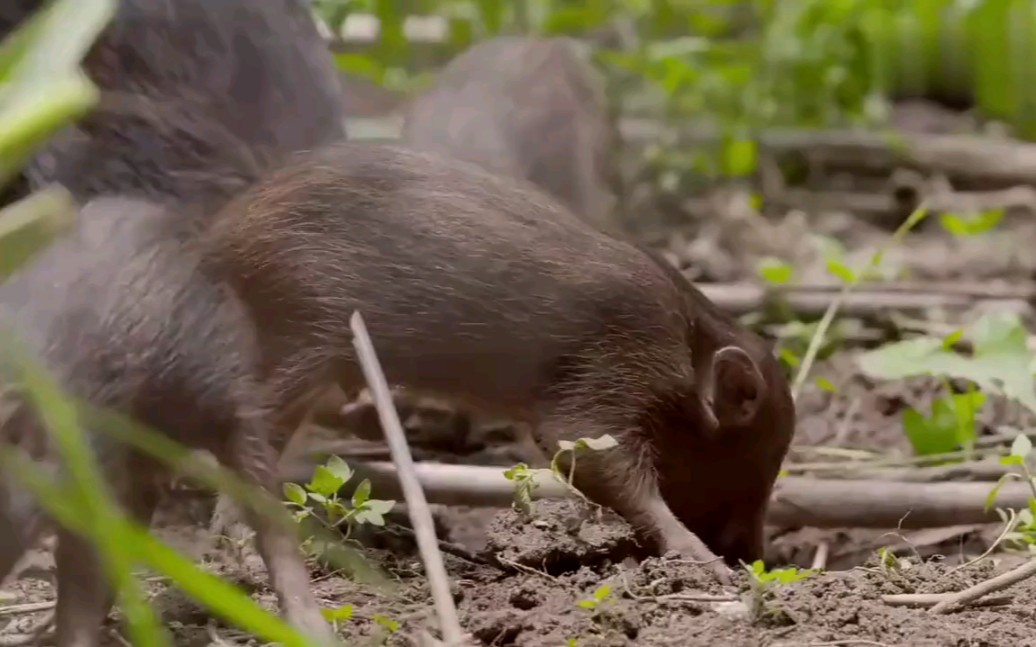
417,506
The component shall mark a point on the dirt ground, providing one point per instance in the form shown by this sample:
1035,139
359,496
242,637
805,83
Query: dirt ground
560,556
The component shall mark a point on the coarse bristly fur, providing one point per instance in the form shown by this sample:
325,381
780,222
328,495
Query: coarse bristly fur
121,314
170,68
485,290
531,107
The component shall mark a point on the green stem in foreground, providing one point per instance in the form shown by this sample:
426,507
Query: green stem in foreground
820,334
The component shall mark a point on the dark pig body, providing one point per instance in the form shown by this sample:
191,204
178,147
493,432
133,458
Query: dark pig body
123,317
484,290
529,107
259,70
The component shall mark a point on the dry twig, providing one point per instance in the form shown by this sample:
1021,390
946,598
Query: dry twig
998,583
417,505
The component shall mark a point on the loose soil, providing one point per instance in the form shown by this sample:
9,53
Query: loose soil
547,563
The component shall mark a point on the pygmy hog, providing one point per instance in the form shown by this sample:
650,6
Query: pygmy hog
122,315
529,107
257,69
486,291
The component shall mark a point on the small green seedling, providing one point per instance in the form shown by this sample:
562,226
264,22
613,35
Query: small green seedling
338,616
775,271
776,576
387,627
601,594
323,490
524,477
1024,532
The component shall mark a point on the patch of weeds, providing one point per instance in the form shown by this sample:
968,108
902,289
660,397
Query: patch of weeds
524,477
322,492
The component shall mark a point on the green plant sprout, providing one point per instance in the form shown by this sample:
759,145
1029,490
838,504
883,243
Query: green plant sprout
524,477
601,595
1023,533
777,576
323,489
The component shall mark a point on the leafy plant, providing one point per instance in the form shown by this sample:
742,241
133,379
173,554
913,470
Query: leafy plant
524,477
951,426
323,490
1000,361
1019,457
777,576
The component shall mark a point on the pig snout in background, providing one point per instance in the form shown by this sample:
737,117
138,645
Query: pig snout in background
480,288
120,312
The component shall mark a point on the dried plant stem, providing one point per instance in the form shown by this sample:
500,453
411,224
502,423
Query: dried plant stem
417,506
998,583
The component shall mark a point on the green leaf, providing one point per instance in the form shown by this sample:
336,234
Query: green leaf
1000,362
789,357
386,622
379,506
973,225
991,497
295,493
826,384
325,482
366,515
344,612
31,224
841,271
362,493
740,157
929,436
952,339
339,468
1021,447
775,271
602,592
521,470
587,604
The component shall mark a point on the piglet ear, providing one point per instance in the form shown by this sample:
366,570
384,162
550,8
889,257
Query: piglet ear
738,387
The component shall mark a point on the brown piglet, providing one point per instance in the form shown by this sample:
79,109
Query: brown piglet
530,107
482,289
122,315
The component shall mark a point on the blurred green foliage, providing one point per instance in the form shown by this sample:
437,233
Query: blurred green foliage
742,65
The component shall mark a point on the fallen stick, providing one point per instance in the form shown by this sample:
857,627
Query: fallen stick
796,501
998,583
993,162
864,301
924,600
417,506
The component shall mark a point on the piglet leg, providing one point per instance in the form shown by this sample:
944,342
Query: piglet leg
85,594
623,478
252,456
